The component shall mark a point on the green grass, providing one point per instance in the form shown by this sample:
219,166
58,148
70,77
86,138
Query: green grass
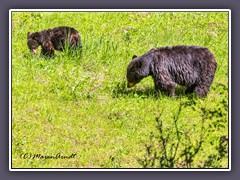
71,104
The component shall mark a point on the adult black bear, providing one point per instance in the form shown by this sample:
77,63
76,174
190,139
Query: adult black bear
191,66
53,39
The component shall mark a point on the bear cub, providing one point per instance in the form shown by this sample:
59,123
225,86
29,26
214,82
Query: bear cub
190,66
53,39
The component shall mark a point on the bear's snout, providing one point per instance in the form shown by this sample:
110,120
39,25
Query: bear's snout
34,51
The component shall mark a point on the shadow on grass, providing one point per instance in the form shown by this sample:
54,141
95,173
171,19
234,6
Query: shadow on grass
120,89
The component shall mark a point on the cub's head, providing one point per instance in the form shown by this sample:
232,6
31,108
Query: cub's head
138,69
33,42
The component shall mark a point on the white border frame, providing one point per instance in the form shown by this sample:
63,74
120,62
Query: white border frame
116,10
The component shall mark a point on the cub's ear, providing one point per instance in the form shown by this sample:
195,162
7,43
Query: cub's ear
28,35
134,56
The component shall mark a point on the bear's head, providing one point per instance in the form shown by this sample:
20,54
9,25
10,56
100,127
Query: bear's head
138,69
33,42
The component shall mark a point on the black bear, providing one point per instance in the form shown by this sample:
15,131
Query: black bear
53,39
191,66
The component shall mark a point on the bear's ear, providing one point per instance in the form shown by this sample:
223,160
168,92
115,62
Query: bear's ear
134,56
28,35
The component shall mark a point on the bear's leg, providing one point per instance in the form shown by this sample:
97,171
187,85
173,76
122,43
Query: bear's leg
47,52
165,85
74,40
171,89
47,48
190,89
202,90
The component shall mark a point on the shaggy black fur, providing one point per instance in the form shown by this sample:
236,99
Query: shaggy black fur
53,39
191,66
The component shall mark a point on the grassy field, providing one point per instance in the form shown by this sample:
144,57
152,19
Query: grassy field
72,104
